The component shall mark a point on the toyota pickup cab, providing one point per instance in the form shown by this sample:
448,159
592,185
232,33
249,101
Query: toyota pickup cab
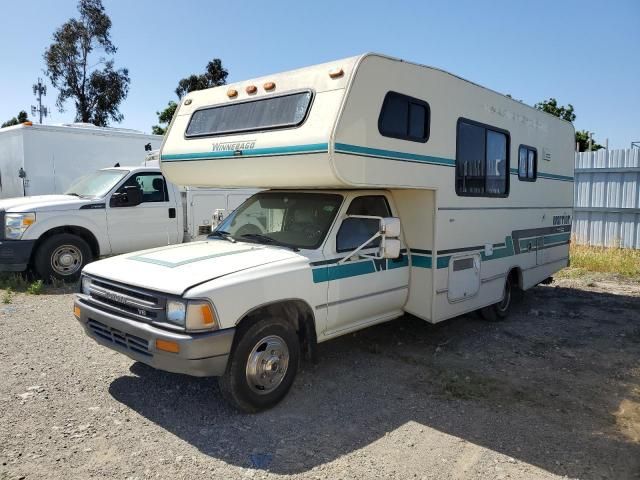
392,188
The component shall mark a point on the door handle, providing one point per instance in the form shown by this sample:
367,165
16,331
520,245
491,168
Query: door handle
172,212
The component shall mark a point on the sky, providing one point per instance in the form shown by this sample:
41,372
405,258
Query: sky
581,52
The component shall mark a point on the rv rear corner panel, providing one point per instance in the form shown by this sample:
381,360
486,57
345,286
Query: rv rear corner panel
11,161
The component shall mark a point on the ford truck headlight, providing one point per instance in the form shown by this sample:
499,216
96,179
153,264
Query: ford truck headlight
193,315
15,224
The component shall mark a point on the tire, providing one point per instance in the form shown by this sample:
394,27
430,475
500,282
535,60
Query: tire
500,311
62,256
262,366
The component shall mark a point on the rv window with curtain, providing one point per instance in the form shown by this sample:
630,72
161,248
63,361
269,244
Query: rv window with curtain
264,113
404,117
482,160
527,163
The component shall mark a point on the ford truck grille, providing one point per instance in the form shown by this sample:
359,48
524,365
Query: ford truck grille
131,302
124,340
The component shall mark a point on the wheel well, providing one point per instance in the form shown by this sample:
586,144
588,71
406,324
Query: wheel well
298,312
81,232
515,275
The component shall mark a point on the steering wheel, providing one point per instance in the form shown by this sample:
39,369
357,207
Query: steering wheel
247,229
311,232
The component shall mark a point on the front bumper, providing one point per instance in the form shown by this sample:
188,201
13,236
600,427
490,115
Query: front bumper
200,354
15,255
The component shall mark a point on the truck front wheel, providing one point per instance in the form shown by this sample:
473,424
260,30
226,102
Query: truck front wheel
262,365
62,256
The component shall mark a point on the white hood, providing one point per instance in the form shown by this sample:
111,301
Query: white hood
45,203
176,268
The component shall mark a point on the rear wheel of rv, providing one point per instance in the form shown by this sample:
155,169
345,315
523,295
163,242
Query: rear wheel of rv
262,366
500,310
62,256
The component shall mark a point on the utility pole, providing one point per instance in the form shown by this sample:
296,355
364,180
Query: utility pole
39,89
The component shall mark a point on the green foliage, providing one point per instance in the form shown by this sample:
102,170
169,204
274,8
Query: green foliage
551,106
73,70
13,281
214,76
6,296
36,287
21,118
582,139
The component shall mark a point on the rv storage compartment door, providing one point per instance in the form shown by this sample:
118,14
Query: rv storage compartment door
464,277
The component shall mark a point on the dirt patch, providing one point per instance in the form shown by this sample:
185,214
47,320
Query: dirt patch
552,392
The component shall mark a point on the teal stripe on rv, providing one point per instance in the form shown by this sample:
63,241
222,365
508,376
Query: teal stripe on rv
251,152
393,155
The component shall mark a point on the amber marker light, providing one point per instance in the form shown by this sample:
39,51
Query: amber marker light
232,93
336,72
76,311
269,86
167,346
251,89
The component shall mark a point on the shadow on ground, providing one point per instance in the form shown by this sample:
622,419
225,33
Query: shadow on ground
542,387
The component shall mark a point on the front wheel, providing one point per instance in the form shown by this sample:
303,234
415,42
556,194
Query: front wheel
262,366
62,256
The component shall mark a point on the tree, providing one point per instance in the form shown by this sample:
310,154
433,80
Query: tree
582,139
566,113
214,76
551,106
72,66
21,118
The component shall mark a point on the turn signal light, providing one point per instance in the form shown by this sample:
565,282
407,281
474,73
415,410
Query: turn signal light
269,86
167,346
76,311
336,72
232,92
251,89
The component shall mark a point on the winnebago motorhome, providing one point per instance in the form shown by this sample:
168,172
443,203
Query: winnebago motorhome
394,187
45,159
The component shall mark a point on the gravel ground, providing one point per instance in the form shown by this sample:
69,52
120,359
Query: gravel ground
553,391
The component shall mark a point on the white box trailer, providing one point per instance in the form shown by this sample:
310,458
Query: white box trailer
394,187
44,159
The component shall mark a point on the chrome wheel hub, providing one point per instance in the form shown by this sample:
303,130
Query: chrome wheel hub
66,260
267,364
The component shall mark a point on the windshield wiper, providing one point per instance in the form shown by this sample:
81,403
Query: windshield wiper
222,234
268,240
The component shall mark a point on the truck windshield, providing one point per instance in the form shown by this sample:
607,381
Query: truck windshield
291,219
96,184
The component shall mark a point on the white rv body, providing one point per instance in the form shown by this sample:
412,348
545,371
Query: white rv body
482,186
53,156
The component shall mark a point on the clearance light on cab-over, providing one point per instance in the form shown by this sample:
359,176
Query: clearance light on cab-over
232,93
251,89
269,86
336,72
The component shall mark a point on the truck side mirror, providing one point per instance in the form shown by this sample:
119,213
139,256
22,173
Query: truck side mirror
390,229
390,248
129,197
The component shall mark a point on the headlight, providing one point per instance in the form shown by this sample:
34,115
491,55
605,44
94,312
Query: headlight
86,285
200,316
15,224
176,312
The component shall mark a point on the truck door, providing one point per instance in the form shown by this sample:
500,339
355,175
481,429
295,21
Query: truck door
363,290
153,223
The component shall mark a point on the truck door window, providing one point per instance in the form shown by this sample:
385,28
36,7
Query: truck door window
153,187
355,231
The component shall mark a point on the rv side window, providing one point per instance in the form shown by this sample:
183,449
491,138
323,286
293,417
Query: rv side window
482,160
404,117
527,163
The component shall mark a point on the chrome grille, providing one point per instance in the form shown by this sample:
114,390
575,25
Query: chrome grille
124,340
124,300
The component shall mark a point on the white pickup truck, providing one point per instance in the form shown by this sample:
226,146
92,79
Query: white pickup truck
111,211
